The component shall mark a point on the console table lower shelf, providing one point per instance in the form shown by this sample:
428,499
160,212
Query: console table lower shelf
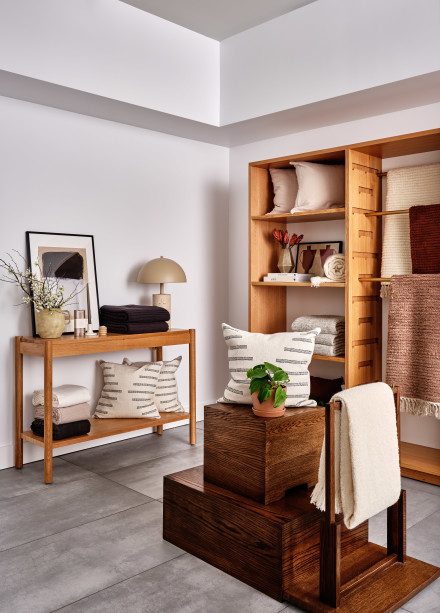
100,428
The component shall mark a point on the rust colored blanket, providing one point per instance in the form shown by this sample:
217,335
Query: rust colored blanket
413,352
424,232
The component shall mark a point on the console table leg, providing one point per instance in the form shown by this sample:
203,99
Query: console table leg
159,357
18,404
48,441
192,387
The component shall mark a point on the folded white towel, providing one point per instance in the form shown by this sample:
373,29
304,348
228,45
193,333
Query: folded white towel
63,396
367,471
334,267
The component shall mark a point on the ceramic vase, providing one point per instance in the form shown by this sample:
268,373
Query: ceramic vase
266,408
285,263
51,322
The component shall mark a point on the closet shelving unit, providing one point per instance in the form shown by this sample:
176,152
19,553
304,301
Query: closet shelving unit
363,243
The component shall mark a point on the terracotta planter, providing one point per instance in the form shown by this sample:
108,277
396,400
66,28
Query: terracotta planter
51,322
266,408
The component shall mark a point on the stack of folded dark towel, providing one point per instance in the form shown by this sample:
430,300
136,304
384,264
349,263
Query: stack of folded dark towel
70,411
134,319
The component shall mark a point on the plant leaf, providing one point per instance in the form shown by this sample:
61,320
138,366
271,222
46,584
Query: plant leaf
280,397
270,366
256,385
264,394
280,375
259,373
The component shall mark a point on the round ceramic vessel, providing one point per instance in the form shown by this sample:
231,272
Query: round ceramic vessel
50,322
266,408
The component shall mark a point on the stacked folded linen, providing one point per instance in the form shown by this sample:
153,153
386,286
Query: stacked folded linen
331,341
70,411
134,318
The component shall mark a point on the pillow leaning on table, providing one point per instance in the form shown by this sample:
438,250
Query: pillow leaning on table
320,186
128,391
166,395
291,351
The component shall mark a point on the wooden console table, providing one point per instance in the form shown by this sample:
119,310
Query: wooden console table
69,346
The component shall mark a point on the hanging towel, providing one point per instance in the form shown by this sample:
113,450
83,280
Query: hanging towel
367,471
329,324
63,396
424,224
413,349
66,415
406,187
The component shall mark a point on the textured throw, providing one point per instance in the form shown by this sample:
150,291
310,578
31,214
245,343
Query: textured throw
60,431
290,351
406,187
334,271
329,324
413,350
367,471
132,313
166,395
65,415
63,396
136,328
424,225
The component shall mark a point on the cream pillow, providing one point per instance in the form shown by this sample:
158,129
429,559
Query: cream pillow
285,187
128,391
292,351
166,395
320,186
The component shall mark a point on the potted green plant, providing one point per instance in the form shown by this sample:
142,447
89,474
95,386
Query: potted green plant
268,389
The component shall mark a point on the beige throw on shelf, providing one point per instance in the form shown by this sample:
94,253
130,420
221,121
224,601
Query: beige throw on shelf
406,187
367,471
66,415
413,349
63,396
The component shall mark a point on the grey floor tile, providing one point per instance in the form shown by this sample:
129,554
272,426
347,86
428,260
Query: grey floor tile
131,451
419,504
183,585
55,571
200,425
28,479
427,601
412,484
423,540
147,478
32,516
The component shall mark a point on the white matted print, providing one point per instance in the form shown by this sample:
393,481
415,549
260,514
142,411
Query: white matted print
70,259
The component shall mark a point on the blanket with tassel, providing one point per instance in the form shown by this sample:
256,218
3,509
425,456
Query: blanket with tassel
413,351
406,187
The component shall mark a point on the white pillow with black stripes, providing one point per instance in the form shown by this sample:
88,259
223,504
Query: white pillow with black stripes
291,351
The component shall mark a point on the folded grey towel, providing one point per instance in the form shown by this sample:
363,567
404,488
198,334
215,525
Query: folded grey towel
329,351
330,339
329,324
66,415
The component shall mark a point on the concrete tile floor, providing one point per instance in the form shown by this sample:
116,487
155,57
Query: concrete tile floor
92,541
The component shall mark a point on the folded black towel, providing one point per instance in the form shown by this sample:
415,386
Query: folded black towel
137,328
60,431
132,313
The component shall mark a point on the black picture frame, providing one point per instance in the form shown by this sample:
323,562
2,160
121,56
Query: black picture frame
82,248
316,264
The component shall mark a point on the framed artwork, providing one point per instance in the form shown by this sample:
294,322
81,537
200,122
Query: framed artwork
311,257
70,259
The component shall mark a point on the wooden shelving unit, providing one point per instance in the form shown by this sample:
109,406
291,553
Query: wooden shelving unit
363,241
296,284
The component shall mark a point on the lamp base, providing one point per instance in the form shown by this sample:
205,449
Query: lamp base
164,301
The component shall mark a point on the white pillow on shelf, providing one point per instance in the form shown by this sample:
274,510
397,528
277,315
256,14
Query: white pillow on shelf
320,186
291,351
285,187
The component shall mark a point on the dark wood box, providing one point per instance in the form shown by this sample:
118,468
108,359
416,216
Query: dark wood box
262,458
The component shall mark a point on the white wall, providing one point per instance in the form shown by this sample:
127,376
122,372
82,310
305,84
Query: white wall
326,49
112,49
141,194
417,119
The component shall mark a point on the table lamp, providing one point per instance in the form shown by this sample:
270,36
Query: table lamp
162,270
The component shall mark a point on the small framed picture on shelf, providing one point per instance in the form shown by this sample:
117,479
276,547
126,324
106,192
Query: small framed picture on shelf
311,257
67,261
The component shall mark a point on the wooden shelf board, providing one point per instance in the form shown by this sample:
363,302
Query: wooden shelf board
295,284
383,593
336,358
108,427
420,463
324,215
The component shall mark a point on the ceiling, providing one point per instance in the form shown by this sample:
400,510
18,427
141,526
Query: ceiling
218,19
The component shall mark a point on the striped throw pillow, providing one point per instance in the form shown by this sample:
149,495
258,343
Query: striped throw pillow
291,351
127,391
166,396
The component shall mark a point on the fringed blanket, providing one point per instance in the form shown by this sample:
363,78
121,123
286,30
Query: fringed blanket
413,352
406,187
